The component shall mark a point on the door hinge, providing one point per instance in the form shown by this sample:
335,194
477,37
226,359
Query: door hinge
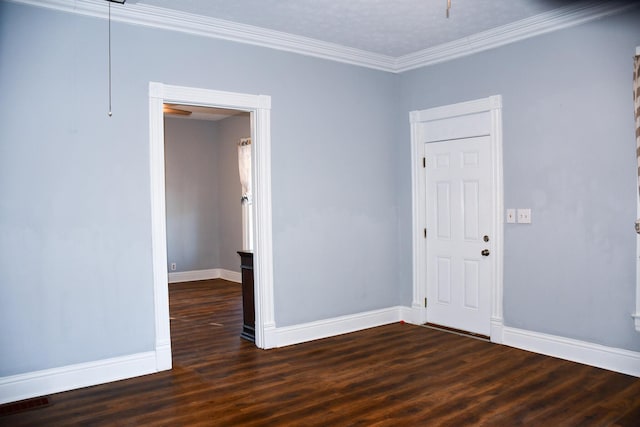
424,162
425,302
425,233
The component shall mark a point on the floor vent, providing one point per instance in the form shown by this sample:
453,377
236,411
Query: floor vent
23,405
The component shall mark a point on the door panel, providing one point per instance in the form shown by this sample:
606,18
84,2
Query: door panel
444,280
458,216
471,211
471,284
443,210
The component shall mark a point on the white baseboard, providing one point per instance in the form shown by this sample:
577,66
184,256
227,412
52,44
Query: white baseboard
269,337
213,273
497,330
304,332
231,276
413,315
163,357
40,383
600,356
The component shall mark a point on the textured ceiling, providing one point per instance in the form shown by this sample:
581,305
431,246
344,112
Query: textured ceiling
388,27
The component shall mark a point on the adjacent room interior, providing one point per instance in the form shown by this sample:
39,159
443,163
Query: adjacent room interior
208,202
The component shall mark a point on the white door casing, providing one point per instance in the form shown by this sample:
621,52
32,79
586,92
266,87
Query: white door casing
458,217
636,314
482,117
259,107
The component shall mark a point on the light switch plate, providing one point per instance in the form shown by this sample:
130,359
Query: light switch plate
511,216
524,216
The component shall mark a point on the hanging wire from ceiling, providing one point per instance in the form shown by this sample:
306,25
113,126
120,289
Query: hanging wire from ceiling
109,50
110,113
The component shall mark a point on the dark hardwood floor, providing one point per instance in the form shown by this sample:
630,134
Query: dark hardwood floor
394,375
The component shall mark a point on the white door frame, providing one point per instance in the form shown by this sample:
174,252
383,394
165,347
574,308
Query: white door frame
259,106
636,314
493,105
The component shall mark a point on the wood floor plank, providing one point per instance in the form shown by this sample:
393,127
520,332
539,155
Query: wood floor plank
397,374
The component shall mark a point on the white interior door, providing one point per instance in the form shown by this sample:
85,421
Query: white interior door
460,234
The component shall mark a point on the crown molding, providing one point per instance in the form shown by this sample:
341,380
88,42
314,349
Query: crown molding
156,17
547,22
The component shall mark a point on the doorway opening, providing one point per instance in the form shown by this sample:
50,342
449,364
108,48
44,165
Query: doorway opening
208,191
259,109
207,179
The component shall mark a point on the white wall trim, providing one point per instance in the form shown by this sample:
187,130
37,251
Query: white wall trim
259,107
41,383
167,19
159,228
636,315
231,276
546,22
497,330
157,17
613,359
213,273
493,105
304,332
414,315
262,220
418,188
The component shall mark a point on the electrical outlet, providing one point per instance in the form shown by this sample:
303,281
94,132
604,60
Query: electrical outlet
524,216
173,266
511,216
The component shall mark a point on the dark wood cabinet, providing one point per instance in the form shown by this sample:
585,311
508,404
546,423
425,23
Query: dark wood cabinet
248,304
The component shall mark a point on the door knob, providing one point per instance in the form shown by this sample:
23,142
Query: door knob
485,252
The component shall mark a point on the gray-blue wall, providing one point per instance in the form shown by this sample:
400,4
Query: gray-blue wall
75,233
192,188
569,155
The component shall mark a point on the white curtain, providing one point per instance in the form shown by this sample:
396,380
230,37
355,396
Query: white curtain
244,167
